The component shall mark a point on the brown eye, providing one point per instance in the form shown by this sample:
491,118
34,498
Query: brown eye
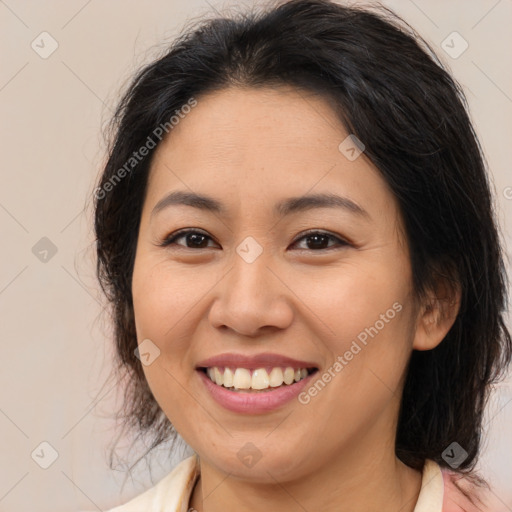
318,240
193,239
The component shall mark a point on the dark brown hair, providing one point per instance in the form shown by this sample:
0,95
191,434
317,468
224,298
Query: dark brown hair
391,91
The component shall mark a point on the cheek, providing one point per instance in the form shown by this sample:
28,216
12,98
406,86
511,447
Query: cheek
367,336
162,298
160,304
363,313
350,298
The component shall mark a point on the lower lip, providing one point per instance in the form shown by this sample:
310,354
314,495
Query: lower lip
253,403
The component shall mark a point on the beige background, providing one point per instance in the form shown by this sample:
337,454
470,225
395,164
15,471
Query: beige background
55,346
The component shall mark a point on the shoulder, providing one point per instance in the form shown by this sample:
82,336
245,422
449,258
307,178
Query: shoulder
444,490
463,493
169,493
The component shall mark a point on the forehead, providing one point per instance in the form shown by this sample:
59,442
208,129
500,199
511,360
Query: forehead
253,117
262,144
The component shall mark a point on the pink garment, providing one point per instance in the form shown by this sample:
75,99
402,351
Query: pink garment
455,488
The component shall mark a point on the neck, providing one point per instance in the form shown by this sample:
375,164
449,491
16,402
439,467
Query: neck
375,480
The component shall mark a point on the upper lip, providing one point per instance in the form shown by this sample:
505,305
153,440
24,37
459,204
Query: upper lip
253,362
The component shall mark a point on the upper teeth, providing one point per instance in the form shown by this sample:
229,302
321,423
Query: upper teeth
241,378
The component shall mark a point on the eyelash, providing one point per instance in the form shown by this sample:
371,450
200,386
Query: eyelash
171,239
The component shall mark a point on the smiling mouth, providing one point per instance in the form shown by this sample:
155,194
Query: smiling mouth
259,380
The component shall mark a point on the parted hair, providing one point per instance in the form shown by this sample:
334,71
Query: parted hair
388,88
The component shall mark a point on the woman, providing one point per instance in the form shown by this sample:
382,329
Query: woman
296,233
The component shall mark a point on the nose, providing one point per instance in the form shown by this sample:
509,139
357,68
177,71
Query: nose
251,298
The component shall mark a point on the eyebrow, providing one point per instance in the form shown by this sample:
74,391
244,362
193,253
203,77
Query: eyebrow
282,208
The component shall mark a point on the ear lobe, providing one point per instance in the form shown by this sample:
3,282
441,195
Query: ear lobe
435,318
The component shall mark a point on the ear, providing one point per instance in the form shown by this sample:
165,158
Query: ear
437,315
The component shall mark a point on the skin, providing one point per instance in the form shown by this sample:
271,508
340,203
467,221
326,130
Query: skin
250,148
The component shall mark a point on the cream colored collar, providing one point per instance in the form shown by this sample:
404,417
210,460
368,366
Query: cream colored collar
173,492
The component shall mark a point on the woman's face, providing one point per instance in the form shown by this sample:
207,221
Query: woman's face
250,283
